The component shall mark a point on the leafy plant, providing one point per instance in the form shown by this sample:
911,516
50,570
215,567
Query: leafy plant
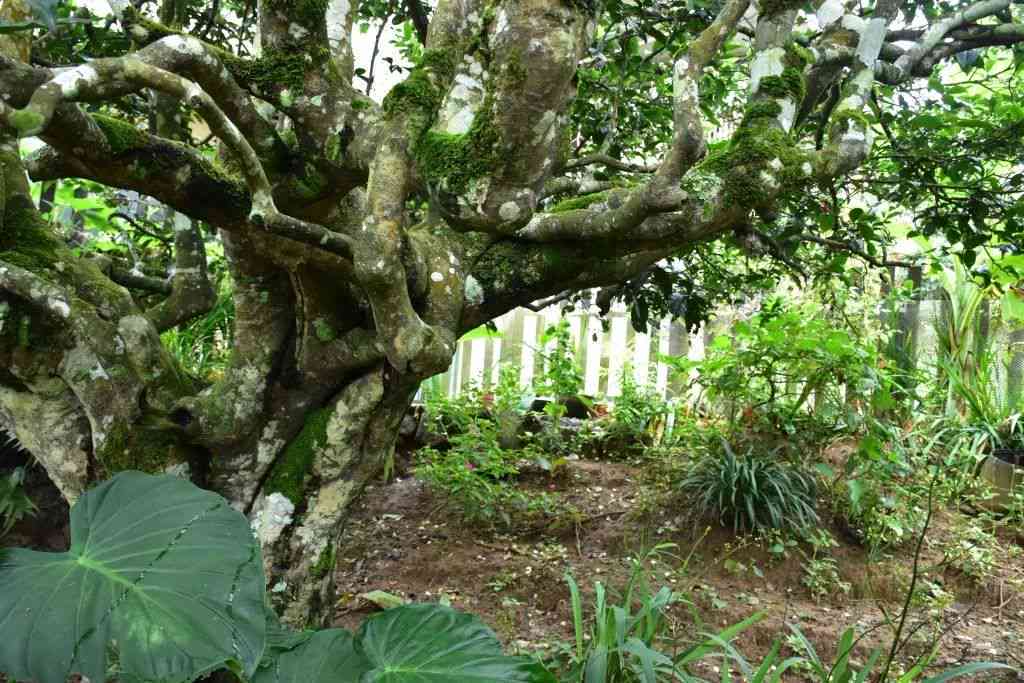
129,583
622,643
771,365
406,644
15,504
174,591
843,670
750,492
562,376
820,571
477,475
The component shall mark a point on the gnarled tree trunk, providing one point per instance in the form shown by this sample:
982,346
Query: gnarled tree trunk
364,238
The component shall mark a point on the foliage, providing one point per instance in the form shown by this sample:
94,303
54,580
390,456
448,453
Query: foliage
879,495
15,504
621,642
126,602
403,644
562,376
751,491
821,573
474,472
972,549
771,365
129,579
844,670
637,411
203,346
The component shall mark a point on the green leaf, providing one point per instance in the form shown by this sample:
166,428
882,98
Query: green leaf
383,599
157,568
328,655
427,643
967,670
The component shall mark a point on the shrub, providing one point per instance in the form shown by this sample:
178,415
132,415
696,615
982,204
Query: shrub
754,493
479,477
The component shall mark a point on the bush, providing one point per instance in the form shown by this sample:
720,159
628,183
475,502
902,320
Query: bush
478,476
755,492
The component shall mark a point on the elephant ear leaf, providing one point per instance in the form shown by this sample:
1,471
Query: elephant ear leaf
164,576
421,643
432,643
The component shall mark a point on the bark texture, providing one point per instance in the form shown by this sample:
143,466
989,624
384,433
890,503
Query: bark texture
344,301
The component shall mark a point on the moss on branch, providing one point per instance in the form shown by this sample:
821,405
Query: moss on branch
290,473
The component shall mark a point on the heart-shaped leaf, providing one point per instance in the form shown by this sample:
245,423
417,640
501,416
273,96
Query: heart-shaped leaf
426,643
422,643
161,573
328,655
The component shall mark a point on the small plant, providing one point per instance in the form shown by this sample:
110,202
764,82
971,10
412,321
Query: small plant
478,476
821,573
751,492
15,504
562,376
622,642
971,549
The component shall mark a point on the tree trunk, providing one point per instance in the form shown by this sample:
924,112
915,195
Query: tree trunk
301,508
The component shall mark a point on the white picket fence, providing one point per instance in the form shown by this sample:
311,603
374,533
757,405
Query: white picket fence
603,354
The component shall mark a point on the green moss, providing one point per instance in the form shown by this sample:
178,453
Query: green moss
577,203
24,328
797,55
324,331
841,121
309,13
763,109
423,90
26,122
771,8
752,152
288,477
27,241
360,104
121,135
324,564
458,160
149,447
790,85
275,69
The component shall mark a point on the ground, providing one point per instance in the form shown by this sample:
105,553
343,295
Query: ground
403,540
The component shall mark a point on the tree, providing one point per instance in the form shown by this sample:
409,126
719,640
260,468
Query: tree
363,238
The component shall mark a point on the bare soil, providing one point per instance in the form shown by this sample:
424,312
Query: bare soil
404,540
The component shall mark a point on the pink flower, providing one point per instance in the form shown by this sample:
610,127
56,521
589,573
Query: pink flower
470,466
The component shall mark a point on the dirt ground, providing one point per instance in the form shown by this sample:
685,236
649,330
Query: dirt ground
404,541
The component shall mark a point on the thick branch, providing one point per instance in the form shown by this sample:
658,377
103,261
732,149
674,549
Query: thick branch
688,143
191,291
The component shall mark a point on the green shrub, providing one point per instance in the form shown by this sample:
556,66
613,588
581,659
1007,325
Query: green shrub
751,492
479,477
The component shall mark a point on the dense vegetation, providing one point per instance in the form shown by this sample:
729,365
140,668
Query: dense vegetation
231,256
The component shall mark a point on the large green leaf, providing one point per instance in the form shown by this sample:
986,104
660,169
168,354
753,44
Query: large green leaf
427,643
161,573
328,655
408,644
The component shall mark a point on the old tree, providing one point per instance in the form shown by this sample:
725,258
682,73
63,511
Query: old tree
364,238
